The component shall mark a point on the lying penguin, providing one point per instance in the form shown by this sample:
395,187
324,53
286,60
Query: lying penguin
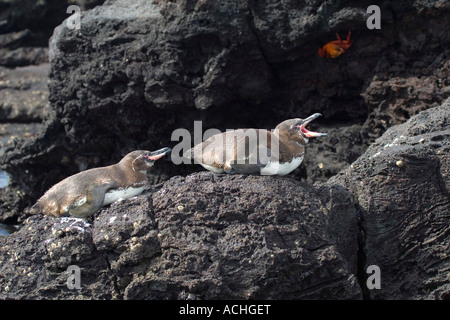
256,151
84,193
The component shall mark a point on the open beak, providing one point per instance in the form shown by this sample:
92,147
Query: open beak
155,155
309,134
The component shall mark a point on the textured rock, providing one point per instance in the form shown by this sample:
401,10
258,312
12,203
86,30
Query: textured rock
12,199
30,23
253,237
26,26
23,93
393,100
402,185
218,237
23,105
137,70
23,56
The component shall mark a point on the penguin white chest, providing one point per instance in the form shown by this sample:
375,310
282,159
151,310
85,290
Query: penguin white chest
281,169
124,193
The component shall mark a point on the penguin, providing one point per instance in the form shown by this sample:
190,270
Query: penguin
83,194
256,151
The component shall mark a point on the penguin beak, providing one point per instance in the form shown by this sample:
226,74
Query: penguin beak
155,155
310,134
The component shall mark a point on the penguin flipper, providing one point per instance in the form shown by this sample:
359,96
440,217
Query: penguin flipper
245,168
87,206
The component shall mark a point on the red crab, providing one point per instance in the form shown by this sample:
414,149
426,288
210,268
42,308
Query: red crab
334,49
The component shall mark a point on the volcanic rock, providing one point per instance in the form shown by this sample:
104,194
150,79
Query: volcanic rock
137,70
23,93
218,237
402,186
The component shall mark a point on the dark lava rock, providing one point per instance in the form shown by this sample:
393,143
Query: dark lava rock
402,185
26,26
259,237
24,93
21,22
215,236
23,105
138,70
23,56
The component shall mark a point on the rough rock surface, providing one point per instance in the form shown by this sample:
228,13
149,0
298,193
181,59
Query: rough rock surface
137,70
253,237
23,93
218,237
28,24
23,105
402,185
10,134
234,236
25,29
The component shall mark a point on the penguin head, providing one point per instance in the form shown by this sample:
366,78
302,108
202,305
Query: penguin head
142,160
296,128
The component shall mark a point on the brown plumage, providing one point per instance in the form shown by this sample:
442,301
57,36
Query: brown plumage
84,193
256,151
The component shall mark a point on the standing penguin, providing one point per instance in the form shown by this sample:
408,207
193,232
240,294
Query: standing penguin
256,151
84,193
